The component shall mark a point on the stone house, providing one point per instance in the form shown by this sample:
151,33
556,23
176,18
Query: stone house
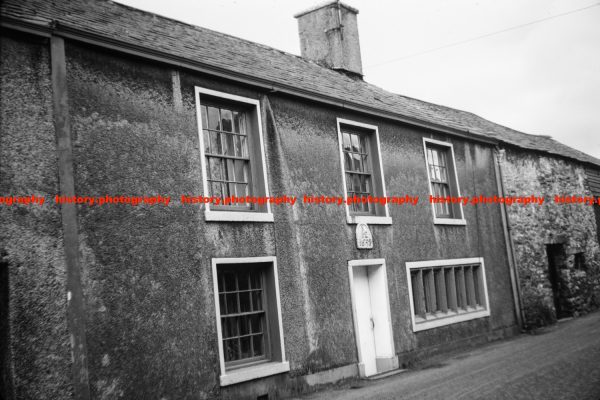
556,246
184,300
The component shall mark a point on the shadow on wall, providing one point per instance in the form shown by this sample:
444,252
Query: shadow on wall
571,289
5,370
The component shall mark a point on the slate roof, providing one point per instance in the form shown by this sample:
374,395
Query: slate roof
124,24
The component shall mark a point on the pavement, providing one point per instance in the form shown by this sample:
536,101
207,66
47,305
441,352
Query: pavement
559,362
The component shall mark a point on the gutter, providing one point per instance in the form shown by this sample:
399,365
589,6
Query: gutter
81,36
510,250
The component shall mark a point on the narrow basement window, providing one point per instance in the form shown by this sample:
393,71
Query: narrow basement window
447,291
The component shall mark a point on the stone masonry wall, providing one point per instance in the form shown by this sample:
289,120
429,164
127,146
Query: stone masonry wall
535,227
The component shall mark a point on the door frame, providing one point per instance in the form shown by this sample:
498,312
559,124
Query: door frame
392,361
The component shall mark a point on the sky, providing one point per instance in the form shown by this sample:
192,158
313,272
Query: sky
540,78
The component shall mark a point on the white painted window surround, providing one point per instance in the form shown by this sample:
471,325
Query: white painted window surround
450,317
382,218
275,365
258,162
459,219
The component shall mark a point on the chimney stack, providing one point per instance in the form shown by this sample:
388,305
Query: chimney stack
329,36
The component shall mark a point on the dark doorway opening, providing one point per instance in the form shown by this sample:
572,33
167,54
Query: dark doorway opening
556,263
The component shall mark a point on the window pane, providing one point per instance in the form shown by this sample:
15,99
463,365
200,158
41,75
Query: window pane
478,278
232,349
215,142
214,118
245,347
450,289
355,143
470,286
364,184
204,117
363,144
215,189
356,182
239,171
245,305
230,327
348,161
229,144
229,282
243,280
357,162
346,141
244,325
418,295
442,158
440,289
206,137
256,323
460,287
429,289
239,122
222,303
257,300
255,280
242,191
257,342
232,303
244,146
435,160
226,120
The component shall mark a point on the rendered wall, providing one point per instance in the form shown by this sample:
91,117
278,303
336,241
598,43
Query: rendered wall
151,328
39,358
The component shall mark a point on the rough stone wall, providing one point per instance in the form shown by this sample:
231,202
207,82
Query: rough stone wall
535,227
31,236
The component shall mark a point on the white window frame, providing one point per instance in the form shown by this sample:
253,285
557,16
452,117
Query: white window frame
229,215
366,219
451,318
249,372
444,221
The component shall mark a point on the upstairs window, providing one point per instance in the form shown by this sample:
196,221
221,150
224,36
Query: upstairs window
233,159
226,150
357,162
362,172
443,182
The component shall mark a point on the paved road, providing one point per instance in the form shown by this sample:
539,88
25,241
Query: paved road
561,362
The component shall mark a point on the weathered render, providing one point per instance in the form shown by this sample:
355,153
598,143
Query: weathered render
147,326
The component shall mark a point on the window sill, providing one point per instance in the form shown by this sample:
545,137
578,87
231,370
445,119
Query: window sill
237,216
449,221
253,372
368,219
421,324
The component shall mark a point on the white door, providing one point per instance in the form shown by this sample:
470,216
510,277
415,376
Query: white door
372,320
364,320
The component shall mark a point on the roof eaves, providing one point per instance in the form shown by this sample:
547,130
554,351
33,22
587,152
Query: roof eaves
67,32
